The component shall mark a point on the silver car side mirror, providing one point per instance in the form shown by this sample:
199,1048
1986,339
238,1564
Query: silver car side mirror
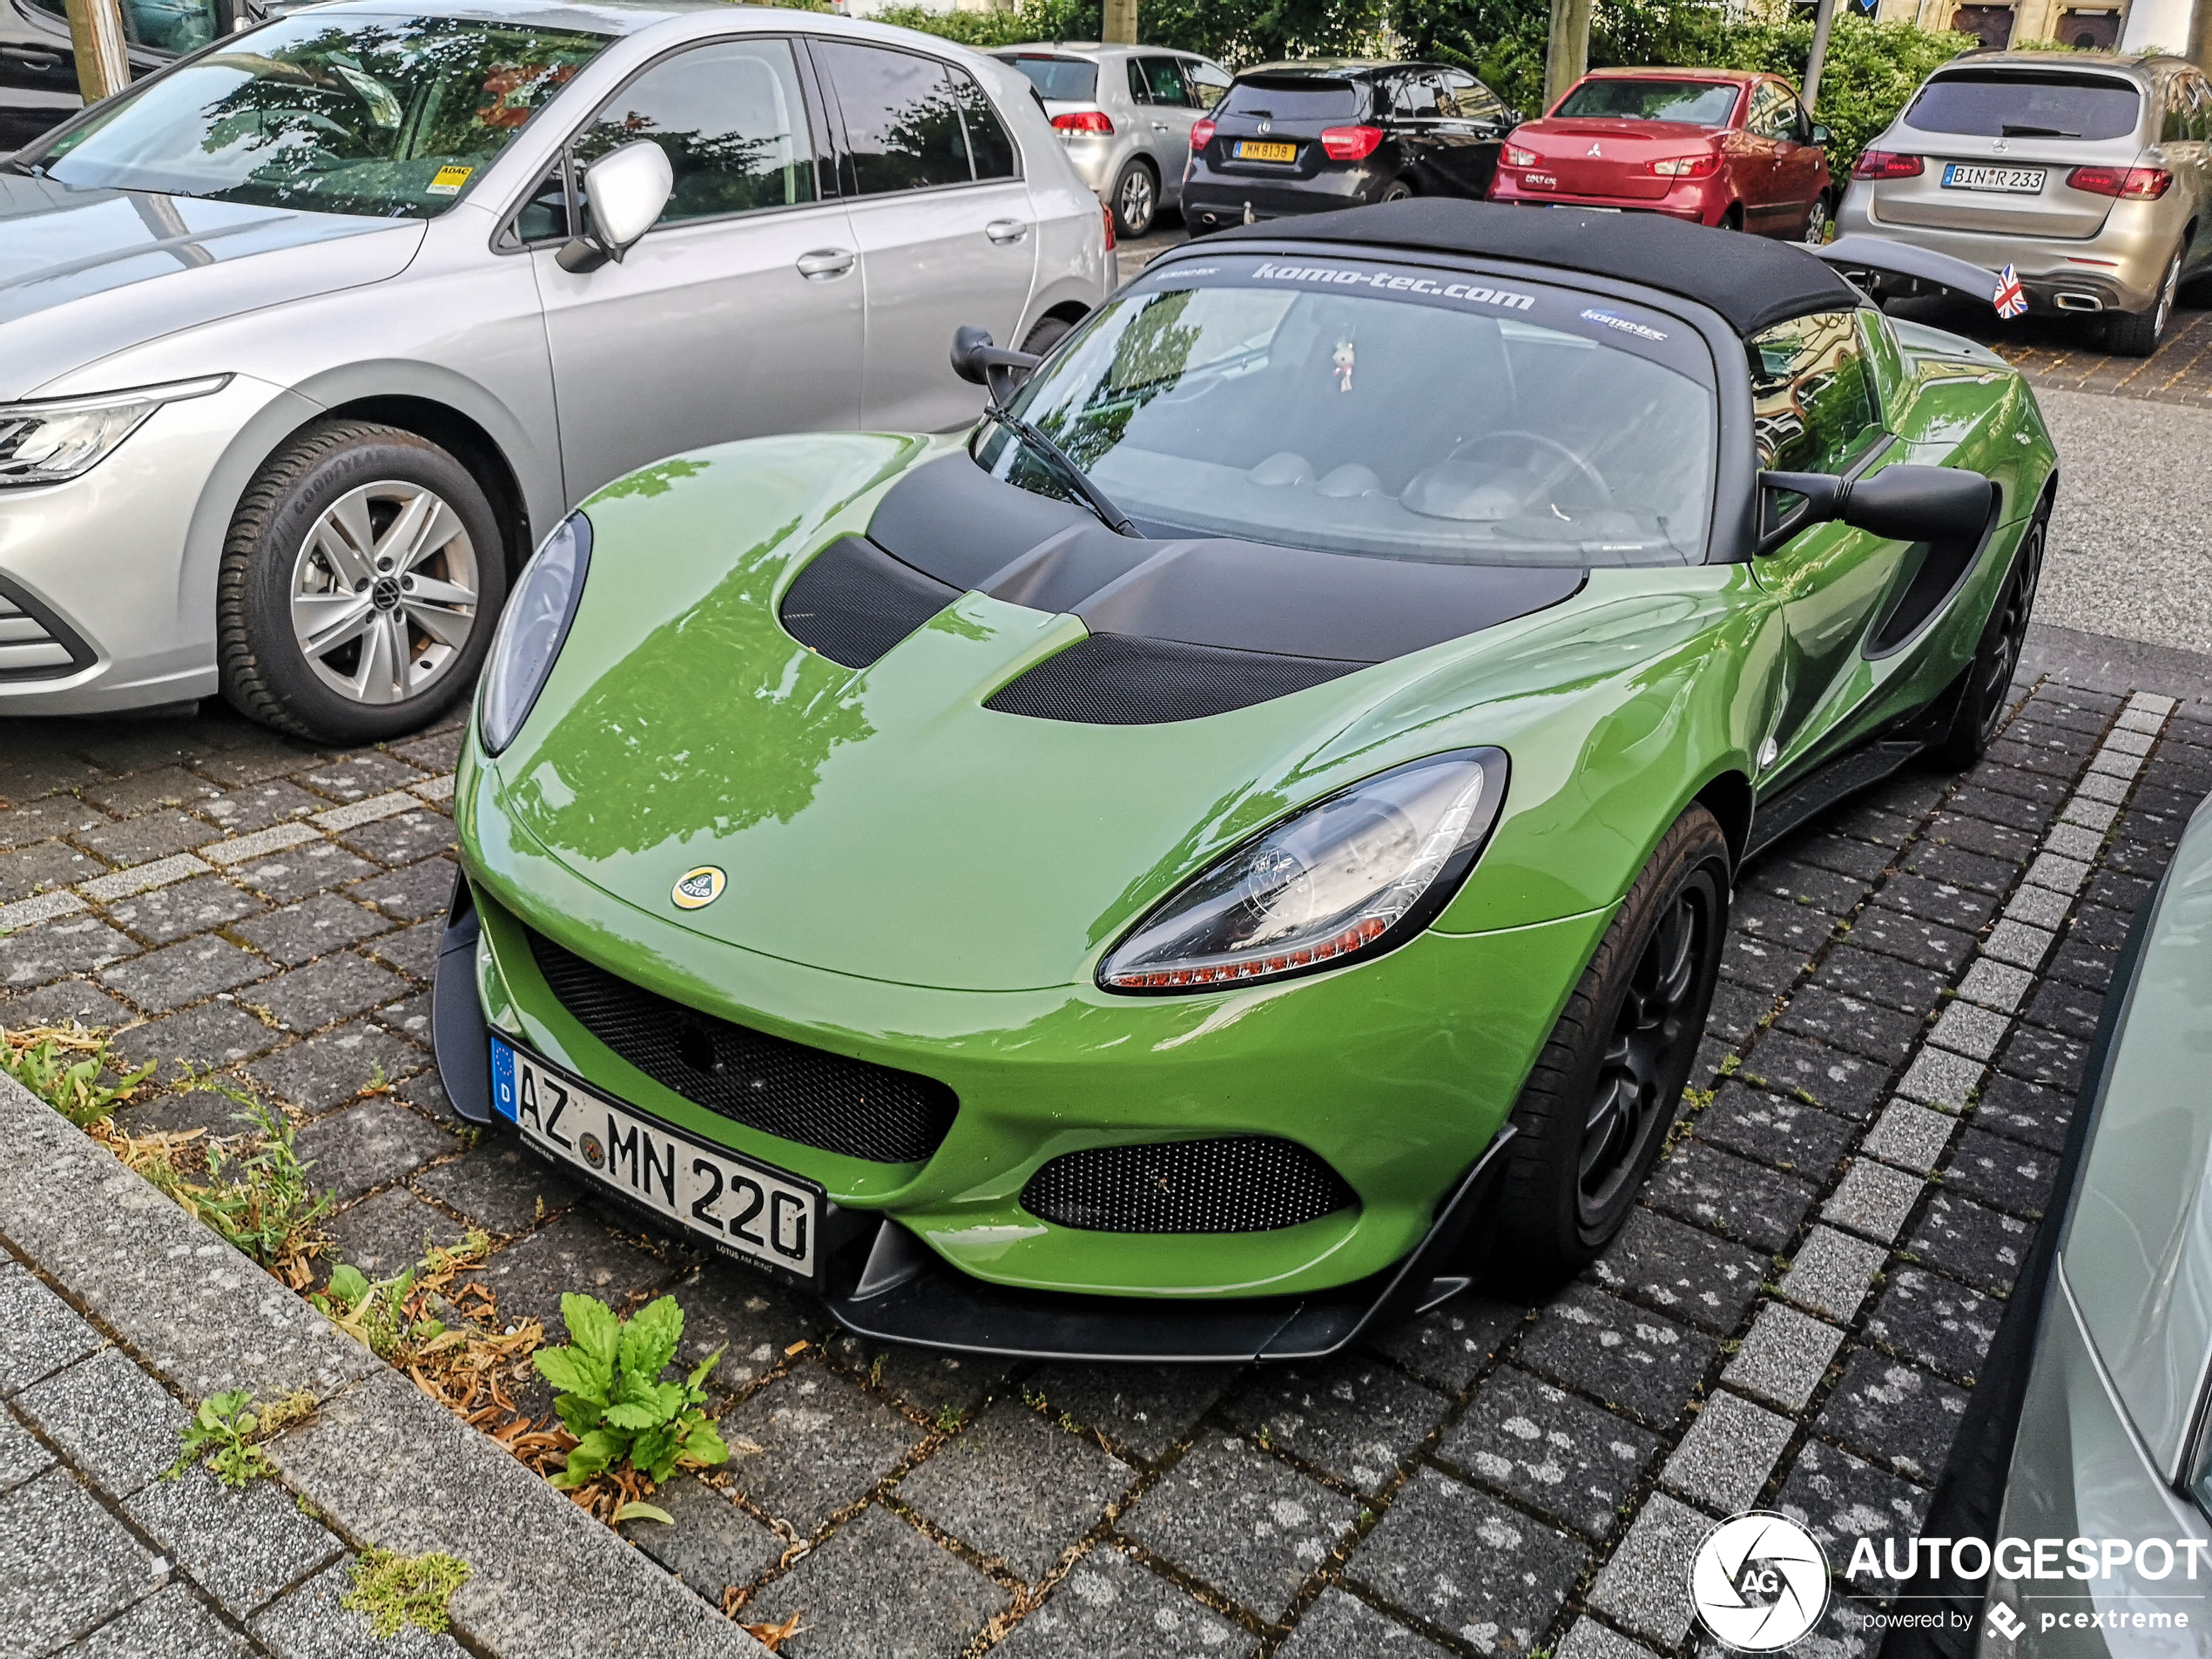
624,192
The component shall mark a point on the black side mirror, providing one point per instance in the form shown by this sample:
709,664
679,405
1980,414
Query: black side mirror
1898,504
997,370
1821,135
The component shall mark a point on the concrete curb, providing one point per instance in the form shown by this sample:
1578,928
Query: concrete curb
385,1465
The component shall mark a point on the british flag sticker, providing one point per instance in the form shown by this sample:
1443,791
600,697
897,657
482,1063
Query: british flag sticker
2011,300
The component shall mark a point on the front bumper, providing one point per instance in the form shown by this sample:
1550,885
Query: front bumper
118,567
1399,1073
2118,269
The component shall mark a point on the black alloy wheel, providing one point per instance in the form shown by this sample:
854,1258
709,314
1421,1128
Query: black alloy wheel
1653,1038
1595,1112
1989,677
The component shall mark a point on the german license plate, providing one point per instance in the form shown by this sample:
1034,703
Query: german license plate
1249,151
2014,181
748,1210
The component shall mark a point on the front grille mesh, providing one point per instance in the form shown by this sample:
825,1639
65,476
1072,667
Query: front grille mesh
1246,1183
853,1108
1116,679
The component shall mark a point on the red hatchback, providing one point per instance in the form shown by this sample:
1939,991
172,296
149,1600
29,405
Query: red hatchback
1718,145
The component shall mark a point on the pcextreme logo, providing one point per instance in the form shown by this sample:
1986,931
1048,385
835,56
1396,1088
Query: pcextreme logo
1759,1581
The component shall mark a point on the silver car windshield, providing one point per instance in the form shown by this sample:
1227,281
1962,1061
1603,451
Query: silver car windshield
391,115
1383,409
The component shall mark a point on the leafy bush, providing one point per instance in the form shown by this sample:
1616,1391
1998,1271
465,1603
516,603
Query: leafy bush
612,1399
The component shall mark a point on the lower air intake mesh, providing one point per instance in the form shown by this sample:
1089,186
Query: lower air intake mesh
1114,680
1246,1183
853,1108
854,601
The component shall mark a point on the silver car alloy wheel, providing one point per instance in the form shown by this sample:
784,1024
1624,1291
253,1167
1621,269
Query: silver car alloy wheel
1816,223
384,592
1137,197
2166,291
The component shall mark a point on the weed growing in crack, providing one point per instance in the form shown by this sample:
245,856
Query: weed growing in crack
257,1195
226,1432
389,1317
62,1066
627,1421
394,1590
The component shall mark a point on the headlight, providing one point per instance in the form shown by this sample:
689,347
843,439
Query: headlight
531,631
45,443
1353,875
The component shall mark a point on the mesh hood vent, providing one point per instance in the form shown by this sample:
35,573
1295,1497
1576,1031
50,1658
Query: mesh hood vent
853,1108
1244,1183
854,602
1113,679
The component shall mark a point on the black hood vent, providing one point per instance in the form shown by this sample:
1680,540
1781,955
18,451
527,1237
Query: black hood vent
1111,680
854,601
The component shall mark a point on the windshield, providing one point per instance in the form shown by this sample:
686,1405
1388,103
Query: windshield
1990,105
390,116
1064,80
1293,97
1705,103
1383,409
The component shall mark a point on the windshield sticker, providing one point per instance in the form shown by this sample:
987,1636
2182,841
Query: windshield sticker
449,180
1624,325
1473,294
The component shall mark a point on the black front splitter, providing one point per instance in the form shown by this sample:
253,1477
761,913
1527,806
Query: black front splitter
906,1293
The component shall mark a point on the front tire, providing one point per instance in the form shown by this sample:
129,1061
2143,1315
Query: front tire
1597,1105
1396,191
359,582
2136,334
1136,198
1989,677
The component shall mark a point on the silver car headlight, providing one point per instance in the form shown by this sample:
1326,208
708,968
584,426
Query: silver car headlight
1350,877
531,631
48,441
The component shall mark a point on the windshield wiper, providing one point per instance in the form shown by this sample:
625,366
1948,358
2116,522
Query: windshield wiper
2013,130
1093,497
28,168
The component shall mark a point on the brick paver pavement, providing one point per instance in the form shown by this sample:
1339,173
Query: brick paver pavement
1793,1319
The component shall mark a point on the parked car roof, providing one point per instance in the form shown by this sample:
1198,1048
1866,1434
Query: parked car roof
1752,281
1332,68
2057,60
1739,75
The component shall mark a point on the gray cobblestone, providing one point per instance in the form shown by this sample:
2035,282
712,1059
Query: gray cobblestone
2094,815
1109,1603
241,1546
1938,1077
70,945
108,1418
1555,1452
1352,1417
1590,1640
1646,1585
301,871
1683,1270
65,1564
39,1332
1450,1345
1784,1357
1894,1413
1753,1204
21,1454
1840,1498
326,1070
1728,1452
1339,1625
2099,787
1644,1363
367,1143
139,878
183,973
1830,1273
1461,1558
308,1622
2018,944
2074,841
1995,985
1249,1526
713,1546
2038,906
1146,1408
1972,1241
878,1589
1910,1135
1966,1029
824,1444
1017,1488
311,927
1873,1199
171,1624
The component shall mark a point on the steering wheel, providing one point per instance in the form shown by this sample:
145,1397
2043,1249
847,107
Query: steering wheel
1574,462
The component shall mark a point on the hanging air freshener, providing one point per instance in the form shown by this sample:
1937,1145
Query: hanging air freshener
1342,358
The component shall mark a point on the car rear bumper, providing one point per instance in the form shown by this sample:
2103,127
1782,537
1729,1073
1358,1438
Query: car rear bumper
1213,199
2120,268
110,576
1690,202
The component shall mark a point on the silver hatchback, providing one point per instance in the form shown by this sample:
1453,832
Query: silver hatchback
1125,115
307,340
2088,172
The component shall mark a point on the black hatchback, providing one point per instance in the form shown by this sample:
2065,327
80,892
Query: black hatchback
1307,137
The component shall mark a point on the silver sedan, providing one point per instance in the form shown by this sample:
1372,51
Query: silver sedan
304,341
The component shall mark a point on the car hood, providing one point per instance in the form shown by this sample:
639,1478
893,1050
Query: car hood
884,821
86,273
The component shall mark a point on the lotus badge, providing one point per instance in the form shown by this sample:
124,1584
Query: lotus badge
696,888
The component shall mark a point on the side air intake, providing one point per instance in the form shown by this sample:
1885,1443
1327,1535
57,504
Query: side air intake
1244,1183
854,602
1115,679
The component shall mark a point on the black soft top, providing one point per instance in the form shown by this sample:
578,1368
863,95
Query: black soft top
1750,281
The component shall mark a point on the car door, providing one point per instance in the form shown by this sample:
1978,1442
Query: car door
943,222
1796,164
1474,119
1757,168
1814,408
740,313
1171,110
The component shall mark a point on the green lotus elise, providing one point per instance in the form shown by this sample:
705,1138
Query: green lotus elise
1185,867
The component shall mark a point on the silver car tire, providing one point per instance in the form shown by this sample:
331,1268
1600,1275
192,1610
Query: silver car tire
2137,334
1136,198
360,583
